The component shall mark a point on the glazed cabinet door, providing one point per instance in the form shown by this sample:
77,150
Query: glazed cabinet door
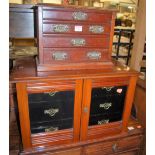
52,112
106,106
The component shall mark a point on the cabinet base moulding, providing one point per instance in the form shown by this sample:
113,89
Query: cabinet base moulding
74,66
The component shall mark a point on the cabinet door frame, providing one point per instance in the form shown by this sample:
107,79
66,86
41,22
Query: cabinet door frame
100,131
46,139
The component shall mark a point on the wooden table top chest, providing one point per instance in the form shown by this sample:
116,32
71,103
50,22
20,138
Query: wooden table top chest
74,37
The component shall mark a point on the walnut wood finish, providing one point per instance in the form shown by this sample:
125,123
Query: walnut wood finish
73,57
69,26
128,101
47,28
24,114
82,81
55,138
125,143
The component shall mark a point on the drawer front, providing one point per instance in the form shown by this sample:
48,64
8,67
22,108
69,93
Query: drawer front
51,126
79,28
109,90
47,111
52,96
114,147
46,106
136,152
73,151
100,119
107,102
78,15
74,55
107,105
70,41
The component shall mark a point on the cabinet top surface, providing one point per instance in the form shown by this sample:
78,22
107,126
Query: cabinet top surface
60,6
25,70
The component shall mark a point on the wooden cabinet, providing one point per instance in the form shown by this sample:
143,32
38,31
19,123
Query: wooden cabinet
75,109
73,99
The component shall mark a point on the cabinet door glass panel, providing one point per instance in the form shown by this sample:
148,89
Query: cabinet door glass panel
51,111
107,104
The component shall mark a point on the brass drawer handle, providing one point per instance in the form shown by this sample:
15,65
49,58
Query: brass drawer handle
114,147
80,15
107,88
51,129
78,42
59,56
106,106
104,121
52,92
60,28
51,112
96,29
94,55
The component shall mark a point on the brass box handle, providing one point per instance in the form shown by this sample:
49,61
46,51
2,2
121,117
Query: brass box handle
79,15
106,106
107,88
51,129
78,42
96,29
59,56
60,28
94,55
104,121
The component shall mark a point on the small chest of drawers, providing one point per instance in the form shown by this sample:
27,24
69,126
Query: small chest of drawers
74,37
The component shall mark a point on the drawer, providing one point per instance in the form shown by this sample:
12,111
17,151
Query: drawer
51,96
107,104
73,151
100,119
46,111
111,90
71,41
115,146
135,152
51,107
51,126
76,15
80,28
74,55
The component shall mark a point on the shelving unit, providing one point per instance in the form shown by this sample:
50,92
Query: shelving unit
123,43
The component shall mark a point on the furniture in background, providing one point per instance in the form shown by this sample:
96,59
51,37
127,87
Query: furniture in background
123,43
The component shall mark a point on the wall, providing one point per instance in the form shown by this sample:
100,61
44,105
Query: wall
16,1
